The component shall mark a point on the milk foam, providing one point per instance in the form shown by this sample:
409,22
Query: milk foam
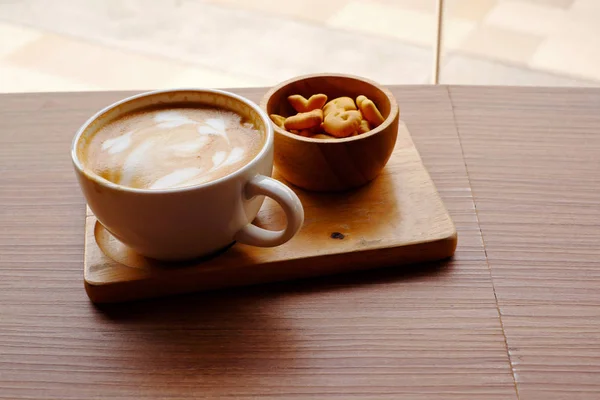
213,126
237,153
134,161
176,177
191,146
118,144
170,148
171,119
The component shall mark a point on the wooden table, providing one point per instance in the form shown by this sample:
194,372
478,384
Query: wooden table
516,314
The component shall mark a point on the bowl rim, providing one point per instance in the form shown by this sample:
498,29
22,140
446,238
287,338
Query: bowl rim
394,109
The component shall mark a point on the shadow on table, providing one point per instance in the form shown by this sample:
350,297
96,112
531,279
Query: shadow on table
240,328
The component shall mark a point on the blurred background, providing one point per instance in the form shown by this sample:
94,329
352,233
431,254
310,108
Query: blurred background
68,45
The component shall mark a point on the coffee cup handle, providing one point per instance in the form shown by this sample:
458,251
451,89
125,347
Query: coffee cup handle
287,199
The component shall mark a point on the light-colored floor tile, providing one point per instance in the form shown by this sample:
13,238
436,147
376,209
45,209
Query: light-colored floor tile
468,9
12,37
501,44
426,6
464,70
411,26
95,65
525,17
233,41
586,6
584,14
228,43
197,77
17,80
565,4
580,24
471,10
310,10
561,54
572,48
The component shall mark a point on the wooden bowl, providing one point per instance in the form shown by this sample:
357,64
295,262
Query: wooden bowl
332,164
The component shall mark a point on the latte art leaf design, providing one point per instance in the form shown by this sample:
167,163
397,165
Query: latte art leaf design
175,178
222,158
218,158
171,119
193,146
134,161
236,154
169,148
214,126
118,144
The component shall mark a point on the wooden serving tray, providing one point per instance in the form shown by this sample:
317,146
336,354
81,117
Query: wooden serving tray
397,219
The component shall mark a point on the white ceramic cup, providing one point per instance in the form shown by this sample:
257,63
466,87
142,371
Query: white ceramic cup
194,221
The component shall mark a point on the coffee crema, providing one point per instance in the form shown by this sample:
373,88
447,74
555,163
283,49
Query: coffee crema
172,146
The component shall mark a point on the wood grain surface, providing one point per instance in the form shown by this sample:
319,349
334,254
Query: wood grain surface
533,156
429,332
397,219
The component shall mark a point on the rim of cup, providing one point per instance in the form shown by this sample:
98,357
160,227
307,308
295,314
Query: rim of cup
268,142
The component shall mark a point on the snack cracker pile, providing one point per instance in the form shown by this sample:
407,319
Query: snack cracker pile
338,118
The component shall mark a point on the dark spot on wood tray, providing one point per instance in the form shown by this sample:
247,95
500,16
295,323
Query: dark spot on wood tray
337,235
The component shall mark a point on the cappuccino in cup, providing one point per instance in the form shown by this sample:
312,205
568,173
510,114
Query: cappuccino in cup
180,174
171,146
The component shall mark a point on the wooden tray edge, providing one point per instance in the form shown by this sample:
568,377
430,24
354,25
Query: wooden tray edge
321,266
